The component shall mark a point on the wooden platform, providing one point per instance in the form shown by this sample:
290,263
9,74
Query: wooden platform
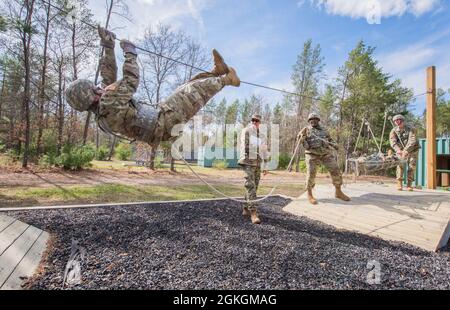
420,218
21,249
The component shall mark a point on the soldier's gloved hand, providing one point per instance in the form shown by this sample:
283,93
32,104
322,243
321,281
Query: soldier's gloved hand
128,47
107,38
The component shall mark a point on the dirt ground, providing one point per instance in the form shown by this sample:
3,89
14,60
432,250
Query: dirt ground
57,177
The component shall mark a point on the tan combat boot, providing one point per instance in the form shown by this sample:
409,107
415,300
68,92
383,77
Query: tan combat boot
255,217
399,184
340,195
409,187
231,78
245,211
311,198
220,67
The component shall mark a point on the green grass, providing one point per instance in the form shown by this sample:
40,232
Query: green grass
116,193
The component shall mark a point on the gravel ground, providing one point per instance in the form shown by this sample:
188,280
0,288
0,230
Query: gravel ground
210,245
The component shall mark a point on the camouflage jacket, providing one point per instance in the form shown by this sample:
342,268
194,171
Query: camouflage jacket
135,120
404,139
253,148
315,140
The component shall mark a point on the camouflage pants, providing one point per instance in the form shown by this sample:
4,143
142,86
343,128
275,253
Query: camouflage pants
252,178
329,162
411,163
183,104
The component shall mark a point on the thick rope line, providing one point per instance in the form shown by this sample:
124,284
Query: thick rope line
186,64
229,197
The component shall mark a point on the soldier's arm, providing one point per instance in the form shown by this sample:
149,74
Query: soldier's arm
108,65
302,135
245,141
412,140
393,140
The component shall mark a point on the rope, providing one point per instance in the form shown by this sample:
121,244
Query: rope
359,135
189,65
229,197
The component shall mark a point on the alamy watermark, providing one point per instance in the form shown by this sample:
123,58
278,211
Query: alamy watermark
374,275
373,8
224,142
72,273
73,11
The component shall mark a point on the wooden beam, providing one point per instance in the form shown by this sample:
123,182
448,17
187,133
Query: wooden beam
431,128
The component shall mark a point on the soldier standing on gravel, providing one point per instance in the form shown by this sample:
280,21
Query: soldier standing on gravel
118,113
317,143
253,158
403,140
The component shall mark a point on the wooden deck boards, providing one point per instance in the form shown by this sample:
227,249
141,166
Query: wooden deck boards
21,249
420,218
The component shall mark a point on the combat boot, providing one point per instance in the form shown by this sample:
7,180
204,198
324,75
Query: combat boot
409,187
340,195
399,184
255,217
220,67
245,211
231,78
311,198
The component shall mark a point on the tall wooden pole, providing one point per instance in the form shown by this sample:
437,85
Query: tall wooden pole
431,128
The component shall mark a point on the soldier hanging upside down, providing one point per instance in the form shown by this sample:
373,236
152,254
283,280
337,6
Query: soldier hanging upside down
119,113
317,142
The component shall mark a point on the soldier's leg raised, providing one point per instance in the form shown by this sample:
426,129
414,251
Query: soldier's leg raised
336,176
311,171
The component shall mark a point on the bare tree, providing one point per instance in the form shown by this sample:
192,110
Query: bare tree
160,71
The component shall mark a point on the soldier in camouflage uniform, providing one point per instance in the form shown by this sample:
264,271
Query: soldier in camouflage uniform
403,140
118,113
317,143
253,159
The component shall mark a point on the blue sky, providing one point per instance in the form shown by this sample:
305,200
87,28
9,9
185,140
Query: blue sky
262,38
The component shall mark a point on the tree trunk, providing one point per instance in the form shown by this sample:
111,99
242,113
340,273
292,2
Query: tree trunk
111,150
26,40
41,97
89,115
1,92
172,163
60,108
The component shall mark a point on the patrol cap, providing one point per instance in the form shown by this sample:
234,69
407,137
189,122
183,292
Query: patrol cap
312,116
398,116
80,94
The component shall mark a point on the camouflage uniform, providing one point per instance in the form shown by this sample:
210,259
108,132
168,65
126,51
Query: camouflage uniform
119,113
405,140
318,152
253,160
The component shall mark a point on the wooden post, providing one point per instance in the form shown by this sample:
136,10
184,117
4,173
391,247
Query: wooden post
431,128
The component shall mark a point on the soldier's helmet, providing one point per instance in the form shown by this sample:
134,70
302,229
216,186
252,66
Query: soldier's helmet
312,116
256,116
398,116
80,94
